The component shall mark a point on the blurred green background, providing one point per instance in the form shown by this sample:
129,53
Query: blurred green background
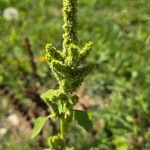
118,92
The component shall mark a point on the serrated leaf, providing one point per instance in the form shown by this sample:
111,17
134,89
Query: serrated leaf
83,119
38,125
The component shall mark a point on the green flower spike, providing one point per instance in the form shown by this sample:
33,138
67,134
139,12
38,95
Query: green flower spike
70,70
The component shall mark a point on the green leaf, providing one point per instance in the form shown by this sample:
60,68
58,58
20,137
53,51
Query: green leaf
50,95
120,143
46,96
83,119
38,125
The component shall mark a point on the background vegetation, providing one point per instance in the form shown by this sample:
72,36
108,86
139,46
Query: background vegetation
118,92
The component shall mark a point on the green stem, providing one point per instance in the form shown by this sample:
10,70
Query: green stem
62,128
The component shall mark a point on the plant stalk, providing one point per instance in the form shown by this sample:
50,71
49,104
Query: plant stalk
69,37
62,128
